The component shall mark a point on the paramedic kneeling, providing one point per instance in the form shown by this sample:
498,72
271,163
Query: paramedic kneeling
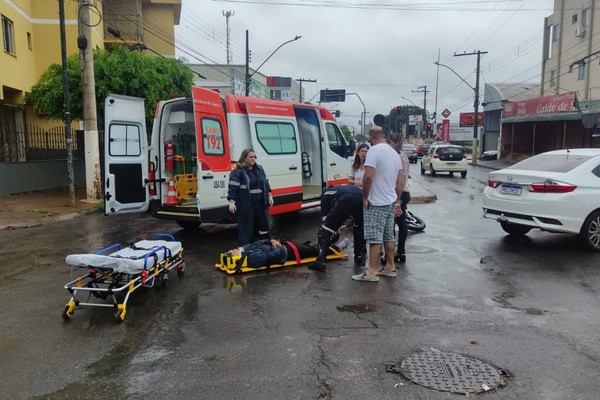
249,196
337,204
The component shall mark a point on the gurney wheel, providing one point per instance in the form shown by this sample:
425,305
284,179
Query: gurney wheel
66,315
119,315
181,270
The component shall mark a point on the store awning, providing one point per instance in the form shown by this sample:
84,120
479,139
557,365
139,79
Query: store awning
565,116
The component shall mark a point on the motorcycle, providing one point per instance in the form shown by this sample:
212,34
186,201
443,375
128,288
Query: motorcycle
414,223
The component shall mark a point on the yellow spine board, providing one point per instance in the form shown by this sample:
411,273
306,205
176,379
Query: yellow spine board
228,264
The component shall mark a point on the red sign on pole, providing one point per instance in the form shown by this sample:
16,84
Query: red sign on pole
446,130
446,113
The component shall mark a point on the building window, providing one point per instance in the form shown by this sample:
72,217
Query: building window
574,19
553,78
581,73
585,17
555,32
29,41
8,37
549,30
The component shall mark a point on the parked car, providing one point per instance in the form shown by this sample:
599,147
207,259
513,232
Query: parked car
411,152
557,191
489,155
445,158
422,149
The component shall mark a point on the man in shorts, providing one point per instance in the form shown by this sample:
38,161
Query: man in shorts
383,184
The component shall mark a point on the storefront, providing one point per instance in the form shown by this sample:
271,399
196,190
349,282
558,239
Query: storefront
542,124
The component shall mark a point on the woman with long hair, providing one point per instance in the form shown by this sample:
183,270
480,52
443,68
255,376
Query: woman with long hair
357,170
249,196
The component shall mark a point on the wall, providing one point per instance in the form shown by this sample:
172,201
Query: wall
38,175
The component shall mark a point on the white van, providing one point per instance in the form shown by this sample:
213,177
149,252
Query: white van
195,143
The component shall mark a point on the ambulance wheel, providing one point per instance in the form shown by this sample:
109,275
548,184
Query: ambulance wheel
65,313
191,225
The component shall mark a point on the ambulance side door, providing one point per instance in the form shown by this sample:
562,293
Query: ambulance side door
125,155
214,157
276,143
338,163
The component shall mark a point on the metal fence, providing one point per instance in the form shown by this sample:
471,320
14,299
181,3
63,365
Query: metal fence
36,144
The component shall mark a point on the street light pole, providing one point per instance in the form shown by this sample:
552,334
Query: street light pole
250,75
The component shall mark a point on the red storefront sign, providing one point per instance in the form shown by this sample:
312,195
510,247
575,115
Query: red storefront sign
445,130
542,105
468,119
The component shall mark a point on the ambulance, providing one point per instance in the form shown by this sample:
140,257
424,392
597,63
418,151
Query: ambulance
181,171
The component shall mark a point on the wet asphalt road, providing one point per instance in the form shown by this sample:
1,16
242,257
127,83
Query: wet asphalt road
529,307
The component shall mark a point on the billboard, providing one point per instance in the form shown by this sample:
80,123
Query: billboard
468,119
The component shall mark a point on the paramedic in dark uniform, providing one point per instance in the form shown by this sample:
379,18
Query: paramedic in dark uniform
249,198
337,204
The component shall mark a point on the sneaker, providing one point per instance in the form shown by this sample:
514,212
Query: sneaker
401,258
317,266
343,244
365,278
390,274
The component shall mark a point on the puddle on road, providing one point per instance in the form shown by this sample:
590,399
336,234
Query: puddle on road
357,308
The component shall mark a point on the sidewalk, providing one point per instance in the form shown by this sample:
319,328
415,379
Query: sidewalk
26,210
492,164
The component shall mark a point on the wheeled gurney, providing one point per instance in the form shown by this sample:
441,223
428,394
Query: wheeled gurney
115,272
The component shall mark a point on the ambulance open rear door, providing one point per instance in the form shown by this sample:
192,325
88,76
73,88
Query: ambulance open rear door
125,155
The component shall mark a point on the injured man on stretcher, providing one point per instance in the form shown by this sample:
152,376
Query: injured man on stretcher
268,252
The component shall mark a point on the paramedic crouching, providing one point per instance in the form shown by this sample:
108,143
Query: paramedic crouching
337,204
249,198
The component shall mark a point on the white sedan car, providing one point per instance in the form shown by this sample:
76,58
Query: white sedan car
557,191
445,158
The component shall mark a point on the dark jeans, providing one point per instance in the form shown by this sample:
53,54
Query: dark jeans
402,225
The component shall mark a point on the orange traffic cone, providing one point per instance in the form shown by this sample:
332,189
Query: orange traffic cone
171,196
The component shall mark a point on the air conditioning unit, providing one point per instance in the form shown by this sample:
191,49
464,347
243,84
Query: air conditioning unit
579,32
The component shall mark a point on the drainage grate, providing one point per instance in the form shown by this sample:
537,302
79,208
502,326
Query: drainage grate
449,372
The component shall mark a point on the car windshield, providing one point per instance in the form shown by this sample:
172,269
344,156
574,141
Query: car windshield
408,147
551,162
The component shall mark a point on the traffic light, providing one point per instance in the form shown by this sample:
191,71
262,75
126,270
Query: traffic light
398,108
429,126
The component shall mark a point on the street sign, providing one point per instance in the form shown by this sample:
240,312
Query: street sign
330,95
446,113
468,119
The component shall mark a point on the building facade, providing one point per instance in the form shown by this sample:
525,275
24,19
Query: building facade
31,42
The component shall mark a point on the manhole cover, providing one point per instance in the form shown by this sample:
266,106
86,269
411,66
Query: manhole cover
449,372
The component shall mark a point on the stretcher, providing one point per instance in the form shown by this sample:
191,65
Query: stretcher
229,264
115,272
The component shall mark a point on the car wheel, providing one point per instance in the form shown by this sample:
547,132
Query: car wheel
514,229
590,231
451,173
463,174
433,173
422,169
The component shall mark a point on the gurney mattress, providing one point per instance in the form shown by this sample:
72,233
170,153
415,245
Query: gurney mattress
128,260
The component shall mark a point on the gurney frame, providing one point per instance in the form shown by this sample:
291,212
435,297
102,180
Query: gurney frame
104,283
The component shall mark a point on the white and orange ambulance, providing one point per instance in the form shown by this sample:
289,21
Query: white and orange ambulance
183,173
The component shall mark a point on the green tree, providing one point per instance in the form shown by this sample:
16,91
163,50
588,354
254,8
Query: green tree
346,132
119,71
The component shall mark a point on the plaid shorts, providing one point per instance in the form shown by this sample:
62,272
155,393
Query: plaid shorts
379,224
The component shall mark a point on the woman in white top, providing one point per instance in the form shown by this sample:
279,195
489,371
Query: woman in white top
358,166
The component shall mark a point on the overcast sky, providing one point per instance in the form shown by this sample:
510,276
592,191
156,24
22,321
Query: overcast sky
383,50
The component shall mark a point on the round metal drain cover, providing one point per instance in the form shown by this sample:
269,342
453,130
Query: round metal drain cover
450,372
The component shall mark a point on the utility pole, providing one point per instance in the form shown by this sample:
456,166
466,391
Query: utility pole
90,123
227,15
423,89
437,79
66,101
476,103
303,80
247,65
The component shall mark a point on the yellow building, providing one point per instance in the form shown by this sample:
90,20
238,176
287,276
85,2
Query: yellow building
31,42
